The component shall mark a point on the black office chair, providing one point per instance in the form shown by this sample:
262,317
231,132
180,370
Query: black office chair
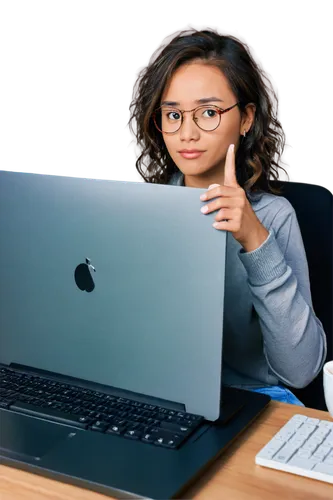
314,209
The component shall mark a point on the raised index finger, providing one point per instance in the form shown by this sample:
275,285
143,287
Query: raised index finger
230,168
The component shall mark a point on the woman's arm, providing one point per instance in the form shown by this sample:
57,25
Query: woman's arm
294,339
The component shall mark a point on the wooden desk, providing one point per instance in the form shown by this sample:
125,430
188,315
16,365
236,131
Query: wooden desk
234,476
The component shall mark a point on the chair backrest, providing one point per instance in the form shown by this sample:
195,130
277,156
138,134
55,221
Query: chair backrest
314,209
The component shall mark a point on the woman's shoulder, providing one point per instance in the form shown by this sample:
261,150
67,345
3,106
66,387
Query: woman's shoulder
273,211
270,202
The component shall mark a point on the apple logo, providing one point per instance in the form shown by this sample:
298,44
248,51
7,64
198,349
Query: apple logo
83,277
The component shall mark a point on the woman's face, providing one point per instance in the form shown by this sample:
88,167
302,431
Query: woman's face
190,85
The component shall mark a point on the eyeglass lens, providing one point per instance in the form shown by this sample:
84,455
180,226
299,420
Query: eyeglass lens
206,117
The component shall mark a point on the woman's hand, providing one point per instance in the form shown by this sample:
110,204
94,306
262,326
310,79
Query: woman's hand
235,213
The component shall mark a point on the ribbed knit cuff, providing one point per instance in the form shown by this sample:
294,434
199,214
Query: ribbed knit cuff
264,264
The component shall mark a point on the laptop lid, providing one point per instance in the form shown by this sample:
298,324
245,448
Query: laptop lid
119,283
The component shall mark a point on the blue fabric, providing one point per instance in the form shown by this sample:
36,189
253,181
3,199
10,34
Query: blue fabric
279,393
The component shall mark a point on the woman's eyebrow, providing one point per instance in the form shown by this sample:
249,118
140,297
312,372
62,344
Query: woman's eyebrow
204,100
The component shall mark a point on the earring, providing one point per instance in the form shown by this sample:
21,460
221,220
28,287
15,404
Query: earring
244,133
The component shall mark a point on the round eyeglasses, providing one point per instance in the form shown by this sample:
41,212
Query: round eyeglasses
168,120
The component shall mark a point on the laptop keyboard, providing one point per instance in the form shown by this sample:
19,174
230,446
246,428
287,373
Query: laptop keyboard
94,410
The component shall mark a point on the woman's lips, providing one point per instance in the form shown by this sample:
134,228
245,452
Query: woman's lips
191,154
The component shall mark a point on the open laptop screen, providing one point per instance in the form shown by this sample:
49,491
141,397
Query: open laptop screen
119,283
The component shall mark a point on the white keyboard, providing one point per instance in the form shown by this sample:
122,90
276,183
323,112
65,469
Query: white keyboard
303,446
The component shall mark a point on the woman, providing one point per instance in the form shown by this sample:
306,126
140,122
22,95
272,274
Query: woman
205,118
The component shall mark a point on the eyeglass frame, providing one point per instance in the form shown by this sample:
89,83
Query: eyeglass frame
221,111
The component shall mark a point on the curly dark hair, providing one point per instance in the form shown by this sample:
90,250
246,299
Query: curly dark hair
258,155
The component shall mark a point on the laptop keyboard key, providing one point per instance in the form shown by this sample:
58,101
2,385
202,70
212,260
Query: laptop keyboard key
184,422
167,439
100,426
148,437
173,427
172,442
115,429
133,434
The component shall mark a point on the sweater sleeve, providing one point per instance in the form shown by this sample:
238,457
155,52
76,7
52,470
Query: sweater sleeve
294,341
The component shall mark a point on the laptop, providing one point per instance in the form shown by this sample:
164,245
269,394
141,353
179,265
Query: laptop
111,335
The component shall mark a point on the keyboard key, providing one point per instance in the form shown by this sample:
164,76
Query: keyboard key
167,439
326,424
115,429
303,463
147,437
175,428
100,426
313,421
133,434
284,454
324,468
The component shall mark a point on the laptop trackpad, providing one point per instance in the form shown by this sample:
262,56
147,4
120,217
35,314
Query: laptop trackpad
25,437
